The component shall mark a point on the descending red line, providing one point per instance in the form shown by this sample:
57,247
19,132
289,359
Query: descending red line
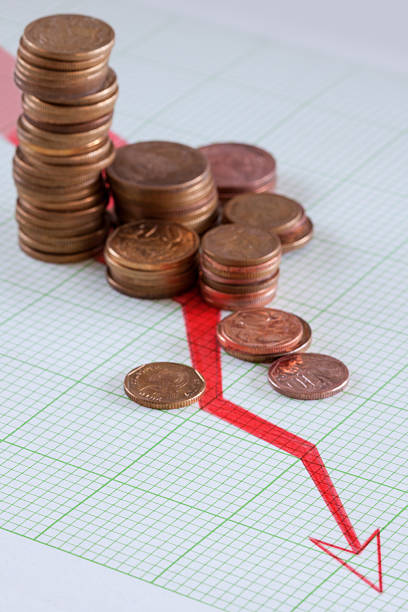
200,322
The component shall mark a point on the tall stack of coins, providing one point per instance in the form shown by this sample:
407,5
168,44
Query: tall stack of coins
274,213
263,334
152,259
239,267
69,93
239,168
163,180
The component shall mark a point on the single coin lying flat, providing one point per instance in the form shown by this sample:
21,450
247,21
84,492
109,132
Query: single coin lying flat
164,385
308,376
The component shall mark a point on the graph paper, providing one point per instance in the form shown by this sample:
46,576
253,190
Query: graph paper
183,500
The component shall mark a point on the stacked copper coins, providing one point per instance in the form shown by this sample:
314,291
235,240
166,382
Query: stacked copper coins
166,181
274,213
69,93
263,334
239,267
239,168
152,259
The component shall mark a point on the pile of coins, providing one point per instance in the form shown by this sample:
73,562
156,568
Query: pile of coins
69,93
274,213
163,180
240,168
239,267
152,259
262,335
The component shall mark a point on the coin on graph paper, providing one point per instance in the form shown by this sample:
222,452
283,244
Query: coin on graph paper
260,331
238,168
308,376
164,385
303,344
269,211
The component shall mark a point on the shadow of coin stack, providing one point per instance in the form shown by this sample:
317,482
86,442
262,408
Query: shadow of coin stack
239,267
165,181
69,93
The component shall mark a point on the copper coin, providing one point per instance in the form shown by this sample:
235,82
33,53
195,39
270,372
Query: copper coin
56,64
236,245
60,92
303,344
164,385
269,211
68,37
52,243
70,128
239,167
158,165
151,245
131,277
59,195
308,376
45,75
300,238
238,287
260,331
232,301
148,291
56,257
232,274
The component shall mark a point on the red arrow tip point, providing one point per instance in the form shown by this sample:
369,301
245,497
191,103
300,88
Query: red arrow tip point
327,548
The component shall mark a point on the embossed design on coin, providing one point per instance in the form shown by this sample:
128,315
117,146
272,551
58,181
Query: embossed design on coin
262,330
164,385
150,243
158,164
235,244
308,376
68,36
235,165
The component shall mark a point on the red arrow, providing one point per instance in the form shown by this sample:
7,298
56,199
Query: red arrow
201,321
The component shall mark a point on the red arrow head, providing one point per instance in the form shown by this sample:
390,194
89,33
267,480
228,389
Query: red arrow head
326,547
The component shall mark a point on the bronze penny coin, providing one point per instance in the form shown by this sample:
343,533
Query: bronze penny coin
157,165
269,211
240,167
234,301
303,344
70,128
237,245
150,291
151,245
233,274
68,37
56,257
56,64
308,376
164,385
302,236
260,331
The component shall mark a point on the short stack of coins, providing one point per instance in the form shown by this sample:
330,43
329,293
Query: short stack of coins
69,93
240,168
239,267
152,259
166,181
262,335
272,212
